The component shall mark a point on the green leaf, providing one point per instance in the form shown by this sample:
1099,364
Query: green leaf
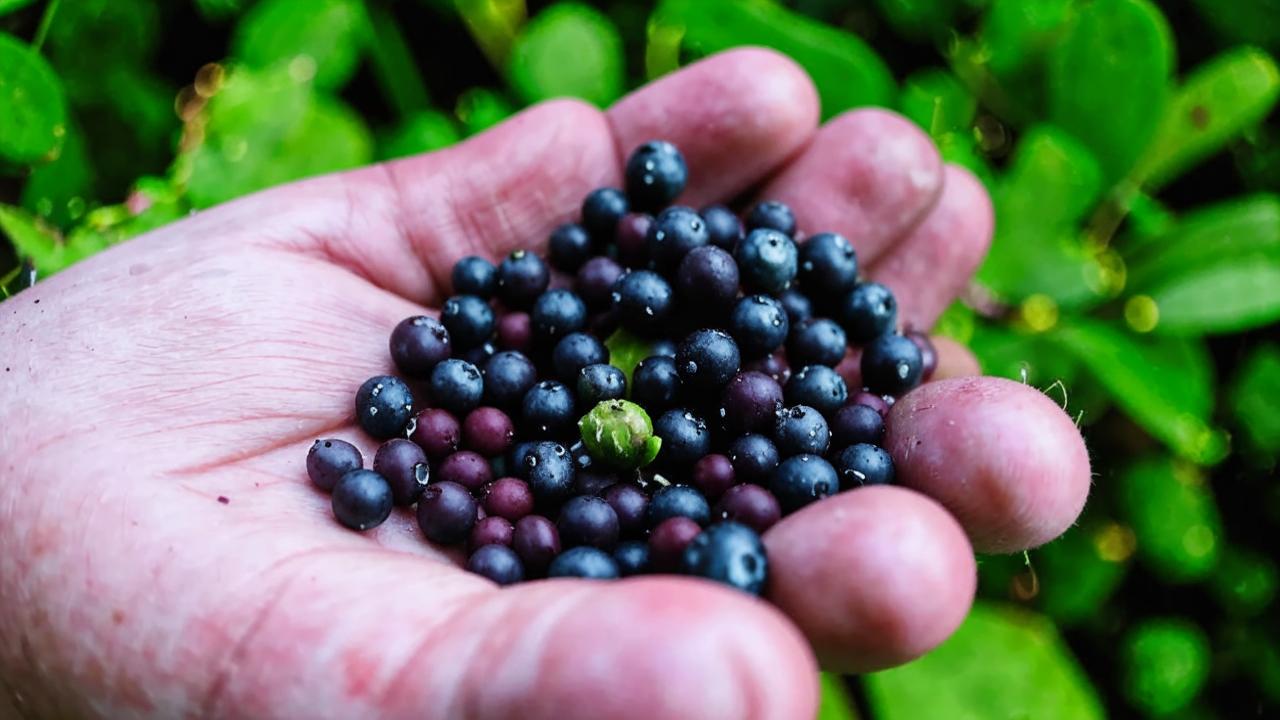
8,6
919,18
59,191
626,350
422,132
1076,576
568,50
33,111
1165,384
835,703
1232,296
493,24
1253,399
1017,33
1001,663
1251,21
1109,80
33,239
1174,517
1165,662
89,36
326,37
1246,227
937,102
846,71
481,108
1245,581
1222,98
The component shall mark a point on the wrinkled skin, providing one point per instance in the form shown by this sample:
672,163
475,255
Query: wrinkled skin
195,364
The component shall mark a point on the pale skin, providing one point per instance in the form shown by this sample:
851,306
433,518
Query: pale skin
200,361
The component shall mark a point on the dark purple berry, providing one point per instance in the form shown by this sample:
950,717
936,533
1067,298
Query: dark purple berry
632,558
751,505
499,563
515,331
891,365
588,520
601,211
799,430
492,530
585,562
723,227
667,542
362,500
775,366
488,431
796,304
766,261
384,406
480,354
569,246
856,424
750,403
469,320
754,458
537,542
655,174
818,341
468,469
863,464
759,324
457,386
803,479
630,504
632,239
707,281
729,553
474,276
404,465
508,498
772,215
437,432
595,282
522,277
707,359
446,513
678,501
674,233
417,344
593,481
328,460
871,400
817,386
928,354
867,311
713,475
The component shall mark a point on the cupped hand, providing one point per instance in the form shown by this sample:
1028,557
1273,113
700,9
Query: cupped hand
164,555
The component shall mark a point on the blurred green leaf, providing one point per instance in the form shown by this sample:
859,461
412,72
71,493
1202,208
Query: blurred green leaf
327,36
493,23
568,50
220,9
1109,80
960,148
33,239
1230,296
422,132
936,101
481,108
1174,517
8,6
835,703
1245,20
1001,663
1166,661
1220,99
1245,227
33,111
1253,399
1164,384
1051,183
626,350
919,18
58,191
1244,581
1027,357
846,71
1076,577
88,36
1016,33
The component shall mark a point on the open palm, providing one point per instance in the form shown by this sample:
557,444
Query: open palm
165,556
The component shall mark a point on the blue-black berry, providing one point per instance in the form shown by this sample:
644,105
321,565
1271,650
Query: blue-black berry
557,313
384,406
803,479
508,376
576,351
468,319
474,276
601,211
569,246
328,460
522,277
759,324
819,387
417,344
801,429
656,174
457,386
674,232
766,261
707,359
723,227
678,501
867,311
600,382
548,409
644,300
548,468
891,365
586,562
863,464
817,341
362,500
729,553
828,266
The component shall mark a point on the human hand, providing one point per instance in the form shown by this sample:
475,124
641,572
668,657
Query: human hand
165,555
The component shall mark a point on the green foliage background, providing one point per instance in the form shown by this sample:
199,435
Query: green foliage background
1132,150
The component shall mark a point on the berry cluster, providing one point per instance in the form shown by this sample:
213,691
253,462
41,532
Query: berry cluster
546,460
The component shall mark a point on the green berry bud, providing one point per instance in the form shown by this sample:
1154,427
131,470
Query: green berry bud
619,433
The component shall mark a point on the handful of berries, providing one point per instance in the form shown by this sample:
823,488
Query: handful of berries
549,451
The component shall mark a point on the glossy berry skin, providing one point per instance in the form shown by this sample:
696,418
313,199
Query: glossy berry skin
515,331
685,438
491,530
488,431
588,520
817,341
595,280
499,563
678,501
362,500
772,215
801,480
522,277
750,403
446,513
599,382
508,498
508,375
557,313
576,351
404,466
928,354
468,469
767,261
632,558
417,344
656,174
601,211
828,266
384,406
631,239
469,320
749,504
801,429
674,233
548,409
474,275
668,540
548,469
864,464
584,562
774,365
589,479
644,300
631,506
707,359
437,432
754,458
328,460
856,424
891,365
868,311
665,347
871,400
707,281
730,553
537,542
568,247
479,355
759,324
712,476
457,386
724,229
656,384
819,387
797,305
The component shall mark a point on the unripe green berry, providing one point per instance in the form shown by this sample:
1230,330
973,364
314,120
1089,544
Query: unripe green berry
619,433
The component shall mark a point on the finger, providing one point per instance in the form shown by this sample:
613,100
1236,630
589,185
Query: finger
369,639
509,187
954,360
868,174
1001,456
873,577
929,267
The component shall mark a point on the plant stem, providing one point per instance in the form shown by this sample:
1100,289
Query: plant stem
46,21
393,64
